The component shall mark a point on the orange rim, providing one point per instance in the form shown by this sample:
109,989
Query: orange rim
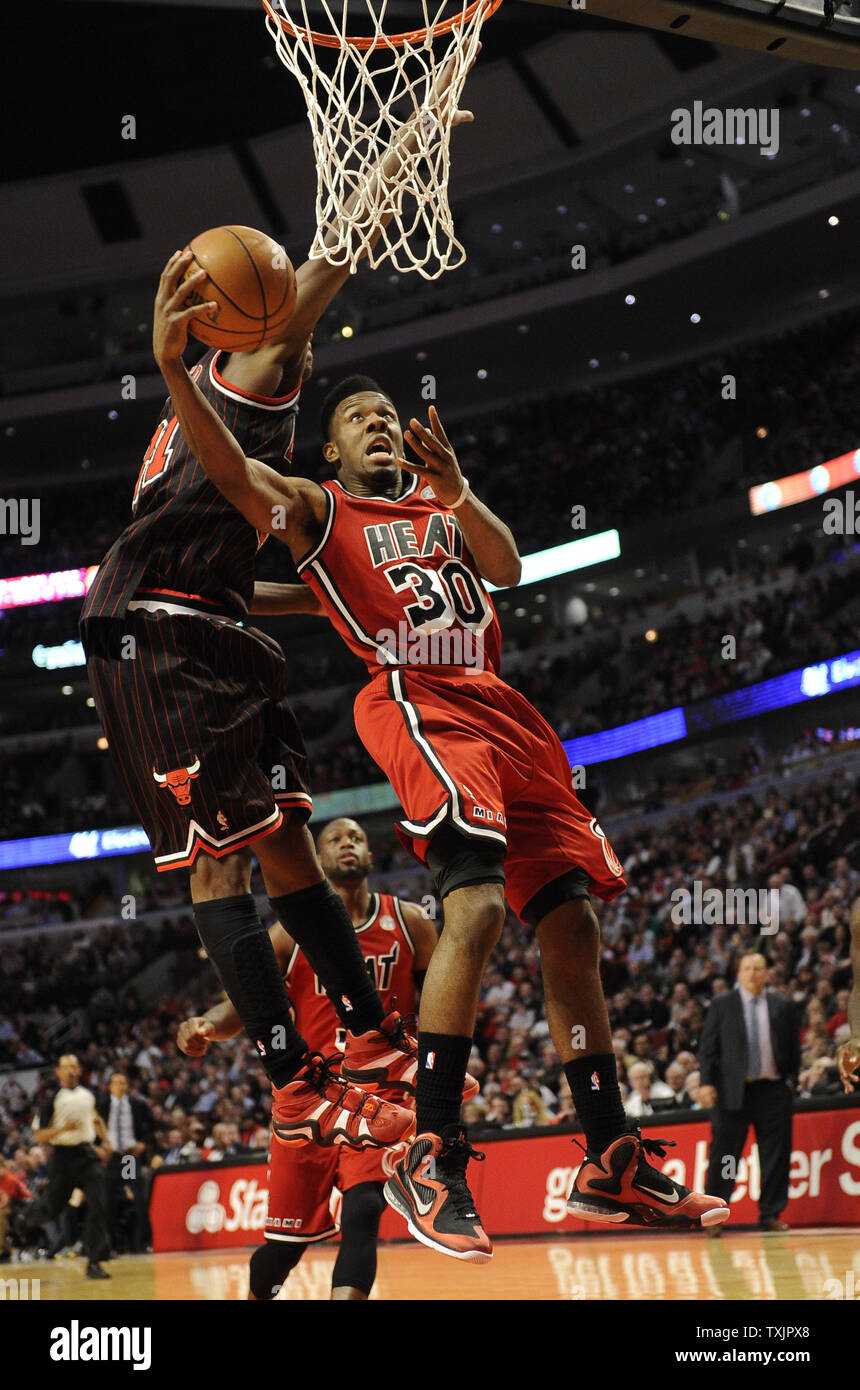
414,36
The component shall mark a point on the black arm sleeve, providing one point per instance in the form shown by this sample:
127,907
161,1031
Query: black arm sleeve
418,977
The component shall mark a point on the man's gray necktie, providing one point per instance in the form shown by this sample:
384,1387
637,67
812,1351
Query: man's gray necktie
754,1043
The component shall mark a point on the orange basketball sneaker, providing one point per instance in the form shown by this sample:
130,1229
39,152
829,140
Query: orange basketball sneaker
387,1059
429,1189
318,1107
621,1185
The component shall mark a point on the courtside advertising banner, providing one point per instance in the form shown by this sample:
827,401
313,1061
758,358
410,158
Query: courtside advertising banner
522,1187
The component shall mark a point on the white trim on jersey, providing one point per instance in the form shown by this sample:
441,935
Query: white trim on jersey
376,902
301,1240
331,508
454,802
328,584
235,393
292,960
196,831
401,917
392,501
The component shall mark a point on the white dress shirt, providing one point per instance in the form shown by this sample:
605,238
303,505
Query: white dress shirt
758,1002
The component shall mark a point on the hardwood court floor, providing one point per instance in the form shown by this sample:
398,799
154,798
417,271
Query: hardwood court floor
812,1264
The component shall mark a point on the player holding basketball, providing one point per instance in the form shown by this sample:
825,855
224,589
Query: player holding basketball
483,780
194,708
397,940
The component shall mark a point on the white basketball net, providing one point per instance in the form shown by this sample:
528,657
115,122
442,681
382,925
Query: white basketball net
387,102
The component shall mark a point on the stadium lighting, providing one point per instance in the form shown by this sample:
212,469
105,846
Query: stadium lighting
772,496
573,555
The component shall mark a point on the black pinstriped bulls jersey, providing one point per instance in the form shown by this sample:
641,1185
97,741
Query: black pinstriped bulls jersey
185,540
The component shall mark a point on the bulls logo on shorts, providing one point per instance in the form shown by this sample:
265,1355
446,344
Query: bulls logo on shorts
178,781
613,863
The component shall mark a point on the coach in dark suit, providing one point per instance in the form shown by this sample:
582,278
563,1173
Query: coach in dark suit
749,1058
130,1128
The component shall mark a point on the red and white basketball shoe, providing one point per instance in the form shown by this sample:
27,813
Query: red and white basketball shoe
386,1059
429,1188
620,1185
319,1107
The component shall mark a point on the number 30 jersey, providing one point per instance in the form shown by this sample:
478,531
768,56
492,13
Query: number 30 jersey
185,541
399,584
389,956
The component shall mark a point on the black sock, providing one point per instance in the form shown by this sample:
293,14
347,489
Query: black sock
317,919
270,1265
442,1062
596,1094
238,946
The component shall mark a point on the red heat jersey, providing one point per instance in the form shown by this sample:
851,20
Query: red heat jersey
390,957
398,583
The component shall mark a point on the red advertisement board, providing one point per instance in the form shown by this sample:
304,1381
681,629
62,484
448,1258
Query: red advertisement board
522,1186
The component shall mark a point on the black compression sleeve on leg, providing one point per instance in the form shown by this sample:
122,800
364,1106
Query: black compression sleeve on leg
355,1266
271,1262
317,919
442,1062
239,947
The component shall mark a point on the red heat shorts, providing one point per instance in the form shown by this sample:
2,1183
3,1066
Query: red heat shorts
303,1204
461,745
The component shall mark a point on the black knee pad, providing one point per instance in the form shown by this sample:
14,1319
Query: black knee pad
566,888
456,860
271,1262
355,1267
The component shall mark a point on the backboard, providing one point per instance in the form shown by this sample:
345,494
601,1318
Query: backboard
801,30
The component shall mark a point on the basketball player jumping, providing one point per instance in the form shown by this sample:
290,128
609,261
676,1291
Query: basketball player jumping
397,940
194,708
482,778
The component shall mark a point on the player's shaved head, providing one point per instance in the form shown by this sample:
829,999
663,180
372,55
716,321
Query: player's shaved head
344,851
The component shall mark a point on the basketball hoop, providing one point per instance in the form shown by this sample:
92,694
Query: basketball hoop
381,108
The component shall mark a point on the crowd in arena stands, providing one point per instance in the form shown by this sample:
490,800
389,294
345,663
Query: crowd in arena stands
811,621
660,974
636,450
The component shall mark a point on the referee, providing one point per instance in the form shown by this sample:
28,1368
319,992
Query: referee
68,1121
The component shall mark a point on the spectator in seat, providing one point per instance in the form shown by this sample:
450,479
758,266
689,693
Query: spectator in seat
498,1113
14,1193
644,1091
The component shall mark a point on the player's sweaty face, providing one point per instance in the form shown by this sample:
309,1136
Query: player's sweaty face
367,434
344,851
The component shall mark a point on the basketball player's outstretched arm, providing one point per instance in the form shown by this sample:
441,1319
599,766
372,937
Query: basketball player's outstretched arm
285,598
222,1022
491,542
286,507
278,366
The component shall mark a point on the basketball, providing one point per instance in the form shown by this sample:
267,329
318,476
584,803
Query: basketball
252,281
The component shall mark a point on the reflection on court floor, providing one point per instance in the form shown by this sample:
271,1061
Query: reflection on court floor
813,1264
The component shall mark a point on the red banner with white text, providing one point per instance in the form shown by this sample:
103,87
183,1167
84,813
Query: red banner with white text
522,1187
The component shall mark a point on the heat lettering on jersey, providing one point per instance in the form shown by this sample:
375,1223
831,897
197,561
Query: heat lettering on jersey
395,540
379,969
